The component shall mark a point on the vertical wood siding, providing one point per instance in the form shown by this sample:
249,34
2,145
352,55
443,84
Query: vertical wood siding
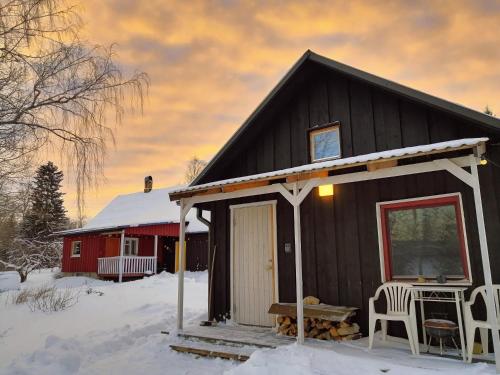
197,251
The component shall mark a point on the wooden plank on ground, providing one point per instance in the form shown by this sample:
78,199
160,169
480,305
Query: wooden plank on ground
321,311
210,353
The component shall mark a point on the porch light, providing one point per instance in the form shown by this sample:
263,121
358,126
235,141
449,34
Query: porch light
483,160
325,190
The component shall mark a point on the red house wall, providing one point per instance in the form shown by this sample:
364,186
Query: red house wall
147,246
92,248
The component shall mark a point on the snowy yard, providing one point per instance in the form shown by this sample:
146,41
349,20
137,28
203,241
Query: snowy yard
119,333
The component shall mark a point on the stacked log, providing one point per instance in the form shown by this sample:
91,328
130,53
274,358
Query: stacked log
319,328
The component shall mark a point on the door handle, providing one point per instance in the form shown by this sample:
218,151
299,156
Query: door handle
269,266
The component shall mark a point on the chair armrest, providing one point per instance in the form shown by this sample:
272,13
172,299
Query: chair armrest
371,304
473,295
468,310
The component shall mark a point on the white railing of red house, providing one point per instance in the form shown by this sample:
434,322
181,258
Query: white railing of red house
131,265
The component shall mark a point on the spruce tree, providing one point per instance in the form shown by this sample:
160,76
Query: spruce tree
46,213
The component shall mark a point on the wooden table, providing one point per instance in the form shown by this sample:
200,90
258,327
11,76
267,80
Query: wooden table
449,294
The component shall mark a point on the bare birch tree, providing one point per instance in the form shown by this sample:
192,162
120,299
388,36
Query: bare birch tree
58,93
194,168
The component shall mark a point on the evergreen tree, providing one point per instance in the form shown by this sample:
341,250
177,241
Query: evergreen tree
46,213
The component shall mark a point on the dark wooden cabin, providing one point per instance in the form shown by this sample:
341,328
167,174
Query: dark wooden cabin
340,240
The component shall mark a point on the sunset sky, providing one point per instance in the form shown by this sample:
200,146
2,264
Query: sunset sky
211,63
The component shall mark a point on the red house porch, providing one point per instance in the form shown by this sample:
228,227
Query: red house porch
113,245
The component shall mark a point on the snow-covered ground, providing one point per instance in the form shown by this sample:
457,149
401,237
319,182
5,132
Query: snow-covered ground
119,333
116,333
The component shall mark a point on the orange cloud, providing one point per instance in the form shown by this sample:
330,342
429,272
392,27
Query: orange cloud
211,63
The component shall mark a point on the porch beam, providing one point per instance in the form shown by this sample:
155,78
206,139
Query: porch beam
304,192
185,206
403,170
298,267
457,171
485,258
122,250
269,189
284,188
285,193
155,265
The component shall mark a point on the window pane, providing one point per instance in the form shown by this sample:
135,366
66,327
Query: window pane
126,249
425,242
326,144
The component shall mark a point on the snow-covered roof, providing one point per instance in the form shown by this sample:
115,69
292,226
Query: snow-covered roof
331,164
136,209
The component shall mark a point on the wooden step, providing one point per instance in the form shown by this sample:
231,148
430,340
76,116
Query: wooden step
215,351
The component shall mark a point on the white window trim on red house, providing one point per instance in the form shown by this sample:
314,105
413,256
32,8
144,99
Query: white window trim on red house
73,245
129,240
433,200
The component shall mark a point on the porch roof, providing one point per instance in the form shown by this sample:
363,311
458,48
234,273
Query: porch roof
312,170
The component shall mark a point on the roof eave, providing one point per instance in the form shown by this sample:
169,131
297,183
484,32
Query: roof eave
329,166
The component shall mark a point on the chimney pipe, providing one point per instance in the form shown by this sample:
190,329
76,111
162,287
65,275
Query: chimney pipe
148,184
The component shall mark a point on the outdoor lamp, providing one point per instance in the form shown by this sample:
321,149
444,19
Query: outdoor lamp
325,190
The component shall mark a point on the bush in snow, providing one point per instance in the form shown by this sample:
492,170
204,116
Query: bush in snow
46,298
21,297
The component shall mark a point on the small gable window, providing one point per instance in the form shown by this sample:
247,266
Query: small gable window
76,248
324,142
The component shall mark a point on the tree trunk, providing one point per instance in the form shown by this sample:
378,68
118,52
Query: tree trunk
23,275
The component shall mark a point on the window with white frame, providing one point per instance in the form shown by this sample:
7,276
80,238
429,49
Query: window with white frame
324,142
131,247
76,248
423,238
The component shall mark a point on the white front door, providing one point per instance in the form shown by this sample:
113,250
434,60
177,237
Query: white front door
253,263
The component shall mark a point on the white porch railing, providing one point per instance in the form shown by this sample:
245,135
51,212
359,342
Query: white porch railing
131,265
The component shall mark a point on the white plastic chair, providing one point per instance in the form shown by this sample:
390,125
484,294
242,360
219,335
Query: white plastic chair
398,297
471,324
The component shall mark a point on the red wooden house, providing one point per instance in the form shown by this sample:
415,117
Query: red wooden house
136,234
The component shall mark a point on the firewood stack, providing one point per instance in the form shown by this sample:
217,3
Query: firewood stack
321,329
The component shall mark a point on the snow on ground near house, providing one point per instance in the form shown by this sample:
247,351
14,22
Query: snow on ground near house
119,333
351,359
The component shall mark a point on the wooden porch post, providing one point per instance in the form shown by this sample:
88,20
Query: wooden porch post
488,282
156,254
122,249
298,266
180,289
